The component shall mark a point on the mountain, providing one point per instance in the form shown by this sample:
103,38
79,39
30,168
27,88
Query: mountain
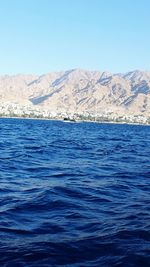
87,93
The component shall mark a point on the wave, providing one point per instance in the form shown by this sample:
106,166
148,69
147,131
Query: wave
74,194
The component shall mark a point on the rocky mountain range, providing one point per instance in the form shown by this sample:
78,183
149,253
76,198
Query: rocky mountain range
77,92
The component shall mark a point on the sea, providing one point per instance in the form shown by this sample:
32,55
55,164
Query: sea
74,194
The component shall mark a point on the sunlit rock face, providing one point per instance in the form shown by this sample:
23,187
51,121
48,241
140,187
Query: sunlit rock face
78,92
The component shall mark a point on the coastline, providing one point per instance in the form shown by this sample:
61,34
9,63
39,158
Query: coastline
76,120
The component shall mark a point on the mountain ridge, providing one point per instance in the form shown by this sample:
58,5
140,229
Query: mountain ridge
78,91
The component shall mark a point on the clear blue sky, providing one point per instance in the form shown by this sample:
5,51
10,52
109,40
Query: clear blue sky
39,36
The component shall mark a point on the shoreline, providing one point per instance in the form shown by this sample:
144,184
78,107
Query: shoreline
75,121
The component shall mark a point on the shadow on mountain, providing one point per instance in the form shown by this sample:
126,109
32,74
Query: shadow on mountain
38,100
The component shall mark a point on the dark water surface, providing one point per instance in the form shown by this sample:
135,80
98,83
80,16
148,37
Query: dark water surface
74,194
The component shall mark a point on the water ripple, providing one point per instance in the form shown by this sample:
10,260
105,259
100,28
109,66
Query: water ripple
74,194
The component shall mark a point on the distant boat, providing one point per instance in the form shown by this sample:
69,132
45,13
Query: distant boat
69,120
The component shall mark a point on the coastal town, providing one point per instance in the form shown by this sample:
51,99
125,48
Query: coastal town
10,110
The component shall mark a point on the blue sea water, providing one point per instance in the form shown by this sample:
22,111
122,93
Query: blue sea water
74,194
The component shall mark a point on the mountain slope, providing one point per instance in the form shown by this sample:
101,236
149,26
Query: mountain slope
79,91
